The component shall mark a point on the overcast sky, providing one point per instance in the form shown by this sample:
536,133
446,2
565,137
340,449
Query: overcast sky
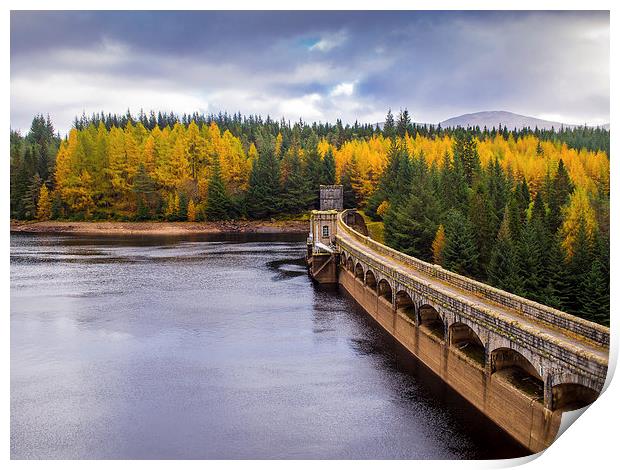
315,65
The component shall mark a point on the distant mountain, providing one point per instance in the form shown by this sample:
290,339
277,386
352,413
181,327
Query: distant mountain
504,118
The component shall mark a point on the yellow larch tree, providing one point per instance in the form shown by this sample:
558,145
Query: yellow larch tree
44,206
578,210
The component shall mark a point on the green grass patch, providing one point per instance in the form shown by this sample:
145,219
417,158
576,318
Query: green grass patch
375,229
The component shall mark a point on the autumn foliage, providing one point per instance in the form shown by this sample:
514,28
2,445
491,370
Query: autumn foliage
526,210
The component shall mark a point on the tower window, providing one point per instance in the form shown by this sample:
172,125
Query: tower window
325,231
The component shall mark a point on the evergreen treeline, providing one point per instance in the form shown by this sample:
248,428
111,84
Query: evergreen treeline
32,163
527,210
248,128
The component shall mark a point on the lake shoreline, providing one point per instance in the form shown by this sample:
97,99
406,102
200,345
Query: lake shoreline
159,228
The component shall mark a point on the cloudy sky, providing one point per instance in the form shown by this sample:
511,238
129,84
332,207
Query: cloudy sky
315,65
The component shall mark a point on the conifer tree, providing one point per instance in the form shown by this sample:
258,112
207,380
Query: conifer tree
313,168
556,287
144,189
191,211
328,168
439,243
263,199
395,183
453,188
530,262
182,206
539,150
30,198
403,124
578,266
389,129
57,207
465,152
44,207
516,217
348,193
497,185
411,227
595,305
460,252
522,197
484,222
296,196
503,268
219,205
172,207
561,188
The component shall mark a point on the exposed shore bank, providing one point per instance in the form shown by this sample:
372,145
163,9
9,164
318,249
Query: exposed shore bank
160,228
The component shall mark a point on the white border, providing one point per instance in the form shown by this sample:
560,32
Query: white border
591,443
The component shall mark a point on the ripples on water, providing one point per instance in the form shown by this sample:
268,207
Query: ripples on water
217,347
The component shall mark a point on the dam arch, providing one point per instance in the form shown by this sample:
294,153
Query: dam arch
466,341
371,280
513,367
384,290
359,272
431,321
405,305
570,396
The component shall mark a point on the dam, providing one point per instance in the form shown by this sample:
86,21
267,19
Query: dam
522,364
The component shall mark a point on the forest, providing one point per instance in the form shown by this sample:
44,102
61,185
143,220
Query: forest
524,210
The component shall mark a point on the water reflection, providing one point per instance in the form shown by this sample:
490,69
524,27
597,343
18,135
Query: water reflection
213,347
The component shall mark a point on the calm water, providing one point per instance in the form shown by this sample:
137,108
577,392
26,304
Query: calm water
217,347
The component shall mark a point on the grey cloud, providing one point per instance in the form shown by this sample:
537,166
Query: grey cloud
435,63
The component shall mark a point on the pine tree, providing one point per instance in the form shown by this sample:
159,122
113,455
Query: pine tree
522,196
395,183
453,191
579,265
503,267
183,201
516,218
497,185
484,222
56,207
144,189
411,227
403,124
30,198
539,150
389,129
296,196
561,188
460,252
44,207
219,205
263,199
596,306
328,168
530,262
465,152
313,168
348,193
555,290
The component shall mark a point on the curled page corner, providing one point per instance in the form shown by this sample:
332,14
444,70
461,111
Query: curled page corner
568,418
